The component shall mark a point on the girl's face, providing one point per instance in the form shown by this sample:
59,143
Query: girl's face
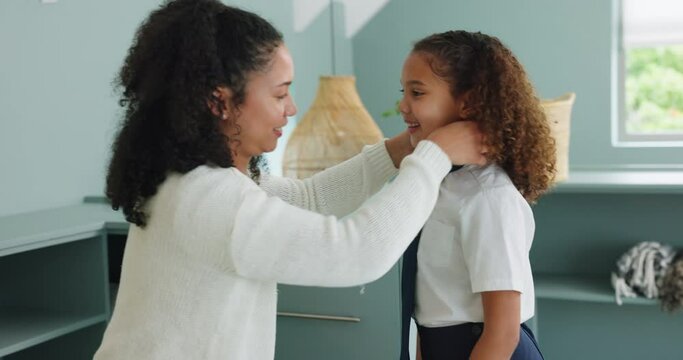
427,103
266,106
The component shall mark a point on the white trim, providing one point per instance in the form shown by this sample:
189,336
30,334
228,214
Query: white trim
620,137
648,141
617,72
627,167
652,22
357,13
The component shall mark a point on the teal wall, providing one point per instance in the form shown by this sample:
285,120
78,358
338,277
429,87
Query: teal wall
565,45
58,110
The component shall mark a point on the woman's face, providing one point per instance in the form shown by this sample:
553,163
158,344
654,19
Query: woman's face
266,106
427,103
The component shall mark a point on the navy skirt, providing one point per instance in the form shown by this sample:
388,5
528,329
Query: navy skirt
457,341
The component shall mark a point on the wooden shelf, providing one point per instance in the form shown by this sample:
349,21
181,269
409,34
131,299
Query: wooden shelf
35,235
22,328
52,273
23,232
622,182
581,288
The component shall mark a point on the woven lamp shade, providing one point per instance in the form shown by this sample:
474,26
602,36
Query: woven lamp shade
558,112
335,128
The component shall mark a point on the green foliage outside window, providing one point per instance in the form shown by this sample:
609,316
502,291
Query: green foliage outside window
654,90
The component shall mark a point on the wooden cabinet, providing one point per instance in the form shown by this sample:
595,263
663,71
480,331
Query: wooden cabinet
54,288
360,322
59,271
59,267
582,228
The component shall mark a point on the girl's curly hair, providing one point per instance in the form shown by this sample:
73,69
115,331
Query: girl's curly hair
180,54
503,103
671,285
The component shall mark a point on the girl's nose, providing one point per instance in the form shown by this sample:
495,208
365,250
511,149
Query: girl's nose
403,107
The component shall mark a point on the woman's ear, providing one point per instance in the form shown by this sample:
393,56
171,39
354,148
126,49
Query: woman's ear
221,106
220,101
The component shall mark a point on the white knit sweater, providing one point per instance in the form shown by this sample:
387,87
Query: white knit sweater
199,281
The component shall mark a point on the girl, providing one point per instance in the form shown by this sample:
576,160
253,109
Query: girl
474,288
206,92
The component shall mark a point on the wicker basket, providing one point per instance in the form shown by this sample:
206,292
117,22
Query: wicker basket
335,128
558,111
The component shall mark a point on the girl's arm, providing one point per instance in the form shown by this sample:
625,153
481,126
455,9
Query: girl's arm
418,350
501,326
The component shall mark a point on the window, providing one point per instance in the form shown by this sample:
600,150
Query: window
651,67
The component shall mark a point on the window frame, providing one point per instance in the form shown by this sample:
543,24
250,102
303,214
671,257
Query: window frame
620,137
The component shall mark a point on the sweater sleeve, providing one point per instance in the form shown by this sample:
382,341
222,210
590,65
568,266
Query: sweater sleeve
340,189
274,241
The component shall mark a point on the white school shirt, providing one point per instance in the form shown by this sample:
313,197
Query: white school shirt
477,239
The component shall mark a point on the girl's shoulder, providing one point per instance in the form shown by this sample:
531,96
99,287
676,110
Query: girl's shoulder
472,179
473,185
475,189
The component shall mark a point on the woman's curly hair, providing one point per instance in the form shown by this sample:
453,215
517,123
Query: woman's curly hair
180,54
503,103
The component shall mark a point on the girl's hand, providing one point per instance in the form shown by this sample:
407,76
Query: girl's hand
462,142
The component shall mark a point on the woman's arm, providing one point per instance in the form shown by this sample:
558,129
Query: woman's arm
501,326
274,241
343,188
340,189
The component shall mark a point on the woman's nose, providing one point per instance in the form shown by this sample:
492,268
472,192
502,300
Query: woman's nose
290,108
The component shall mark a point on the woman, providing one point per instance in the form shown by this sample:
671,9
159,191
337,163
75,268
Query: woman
206,92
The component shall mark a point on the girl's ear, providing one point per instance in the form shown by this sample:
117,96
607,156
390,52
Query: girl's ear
219,101
466,109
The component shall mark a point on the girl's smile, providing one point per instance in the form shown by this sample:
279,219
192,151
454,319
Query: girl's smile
427,103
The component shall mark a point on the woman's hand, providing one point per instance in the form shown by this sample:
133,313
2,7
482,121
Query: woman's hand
399,147
462,142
